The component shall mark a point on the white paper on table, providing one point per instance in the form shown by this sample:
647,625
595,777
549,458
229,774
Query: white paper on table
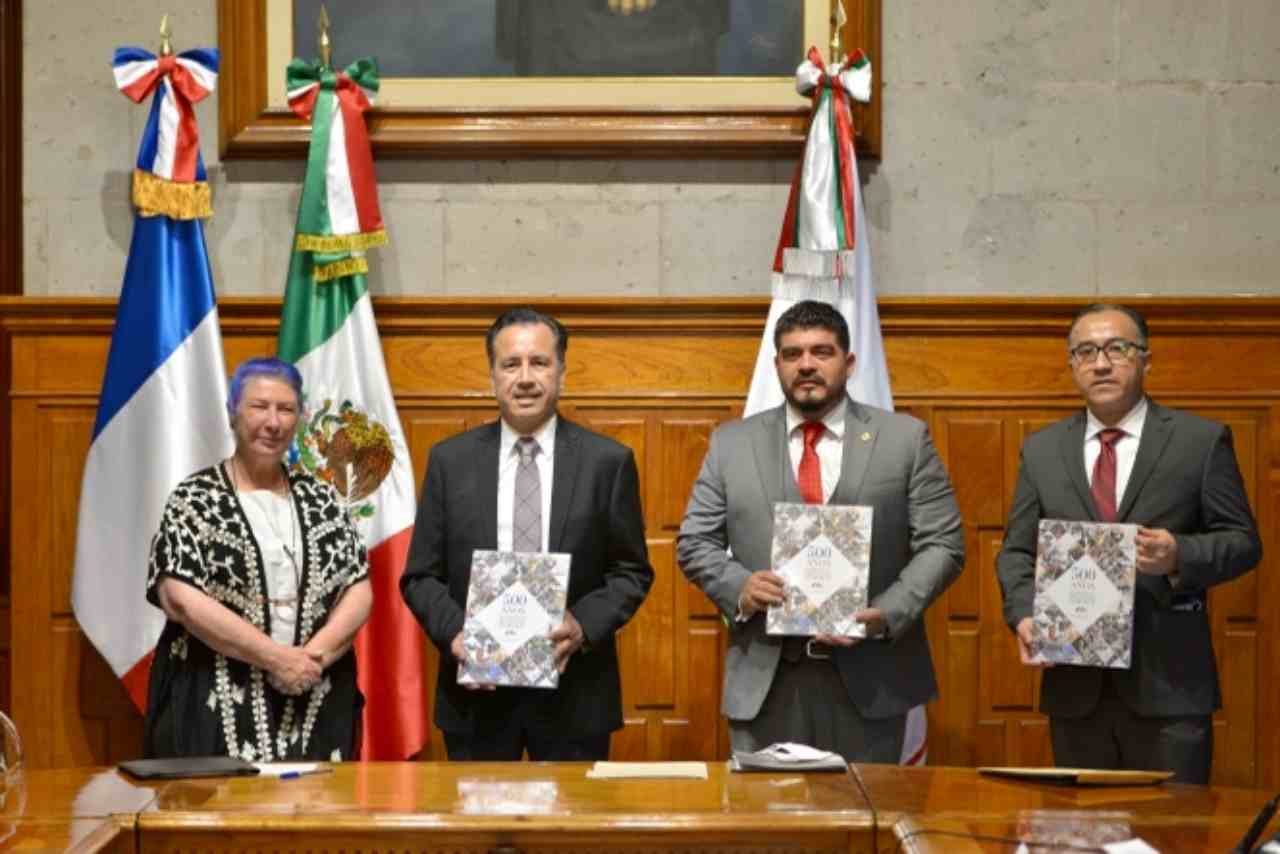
648,771
1129,846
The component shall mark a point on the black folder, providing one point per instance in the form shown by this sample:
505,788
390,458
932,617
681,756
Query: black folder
188,766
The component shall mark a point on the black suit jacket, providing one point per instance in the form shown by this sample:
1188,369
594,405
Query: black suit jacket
595,516
1185,479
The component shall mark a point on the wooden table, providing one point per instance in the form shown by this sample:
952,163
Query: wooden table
438,807
956,809
72,809
533,807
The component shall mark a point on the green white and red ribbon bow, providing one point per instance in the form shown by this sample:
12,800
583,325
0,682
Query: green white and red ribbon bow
339,217
820,210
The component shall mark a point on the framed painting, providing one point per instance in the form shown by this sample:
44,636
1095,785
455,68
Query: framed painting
528,78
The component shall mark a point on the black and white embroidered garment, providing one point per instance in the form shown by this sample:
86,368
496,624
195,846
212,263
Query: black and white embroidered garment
201,703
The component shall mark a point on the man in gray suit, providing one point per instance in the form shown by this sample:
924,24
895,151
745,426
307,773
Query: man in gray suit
1172,473
847,695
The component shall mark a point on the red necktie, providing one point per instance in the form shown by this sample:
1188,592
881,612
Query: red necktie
810,468
1104,474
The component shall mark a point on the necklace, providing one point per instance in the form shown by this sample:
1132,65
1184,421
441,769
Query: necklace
289,547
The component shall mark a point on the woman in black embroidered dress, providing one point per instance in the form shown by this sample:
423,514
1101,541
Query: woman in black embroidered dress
264,580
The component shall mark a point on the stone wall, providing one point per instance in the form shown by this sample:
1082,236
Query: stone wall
1040,147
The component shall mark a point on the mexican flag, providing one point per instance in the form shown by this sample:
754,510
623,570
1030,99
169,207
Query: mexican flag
350,432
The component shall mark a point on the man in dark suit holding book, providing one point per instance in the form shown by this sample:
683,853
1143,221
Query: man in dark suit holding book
531,481
1127,459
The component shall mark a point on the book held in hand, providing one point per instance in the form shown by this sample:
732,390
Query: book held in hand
1086,574
823,552
514,600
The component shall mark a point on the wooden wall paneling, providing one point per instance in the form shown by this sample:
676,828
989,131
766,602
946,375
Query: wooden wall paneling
990,743
959,671
1235,750
30,621
1031,745
707,732
1009,688
698,355
423,428
683,439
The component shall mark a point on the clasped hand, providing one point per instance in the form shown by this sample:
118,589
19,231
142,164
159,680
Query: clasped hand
297,670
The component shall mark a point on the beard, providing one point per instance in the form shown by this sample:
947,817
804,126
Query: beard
803,402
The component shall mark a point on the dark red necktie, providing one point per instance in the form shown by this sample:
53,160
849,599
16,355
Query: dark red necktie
1104,474
810,468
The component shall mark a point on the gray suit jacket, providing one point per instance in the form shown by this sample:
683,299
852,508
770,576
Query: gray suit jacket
1185,479
917,548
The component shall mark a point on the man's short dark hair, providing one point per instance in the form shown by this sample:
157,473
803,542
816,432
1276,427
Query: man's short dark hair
812,314
523,316
1098,307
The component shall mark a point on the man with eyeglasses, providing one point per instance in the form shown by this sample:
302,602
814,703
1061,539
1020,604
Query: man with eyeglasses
1127,459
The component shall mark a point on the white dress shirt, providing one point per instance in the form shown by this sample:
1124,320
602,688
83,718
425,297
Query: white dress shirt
1126,446
829,447
508,462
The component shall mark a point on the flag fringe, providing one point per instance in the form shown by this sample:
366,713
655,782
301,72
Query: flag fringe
337,269
340,242
182,200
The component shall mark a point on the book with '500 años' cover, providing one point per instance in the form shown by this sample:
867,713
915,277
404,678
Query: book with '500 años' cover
514,600
1086,574
823,552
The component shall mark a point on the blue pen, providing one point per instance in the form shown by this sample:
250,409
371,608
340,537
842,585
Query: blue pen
293,775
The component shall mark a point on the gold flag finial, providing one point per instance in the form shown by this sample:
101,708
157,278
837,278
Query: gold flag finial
326,46
838,21
166,48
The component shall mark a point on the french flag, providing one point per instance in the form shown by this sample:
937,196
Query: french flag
161,415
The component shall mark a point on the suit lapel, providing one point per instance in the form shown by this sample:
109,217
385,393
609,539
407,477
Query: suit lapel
1156,432
564,475
1072,449
487,483
769,444
859,439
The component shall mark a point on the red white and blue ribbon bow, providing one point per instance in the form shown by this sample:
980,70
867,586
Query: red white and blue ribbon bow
169,178
820,210
171,142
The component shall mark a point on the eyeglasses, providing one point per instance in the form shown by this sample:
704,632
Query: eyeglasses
1115,350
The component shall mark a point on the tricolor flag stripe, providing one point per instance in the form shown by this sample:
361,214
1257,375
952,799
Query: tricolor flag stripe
152,322
360,175
329,331
161,417
166,136
176,421
344,218
340,351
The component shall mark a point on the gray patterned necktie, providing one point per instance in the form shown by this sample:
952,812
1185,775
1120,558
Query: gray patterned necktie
526,513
